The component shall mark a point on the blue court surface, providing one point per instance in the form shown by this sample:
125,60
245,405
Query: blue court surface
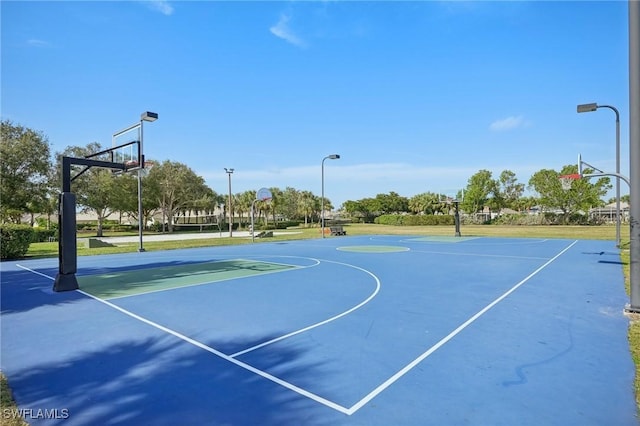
376,330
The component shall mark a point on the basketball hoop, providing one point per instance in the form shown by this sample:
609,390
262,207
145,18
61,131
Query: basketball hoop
567,180
263,195
148,165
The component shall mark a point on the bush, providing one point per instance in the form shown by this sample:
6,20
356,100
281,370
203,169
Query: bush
15,240
41,235
414,220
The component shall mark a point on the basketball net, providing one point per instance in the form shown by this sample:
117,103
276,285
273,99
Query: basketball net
567,180
148,165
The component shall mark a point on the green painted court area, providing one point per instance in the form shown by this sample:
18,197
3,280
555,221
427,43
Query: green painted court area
132,282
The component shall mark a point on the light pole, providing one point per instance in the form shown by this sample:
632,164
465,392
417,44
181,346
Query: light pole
150,117
230,172
593,107
330,157
634,154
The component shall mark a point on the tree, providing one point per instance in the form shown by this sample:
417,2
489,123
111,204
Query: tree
289,204
24,167
509,190
275,204
366,208
125,199
479,191
309,204
582,195
94,187
243,203
392,203
176,188
427,203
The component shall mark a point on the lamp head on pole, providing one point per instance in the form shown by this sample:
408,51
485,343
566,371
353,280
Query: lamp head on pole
149,116
228,170
333,157
587,107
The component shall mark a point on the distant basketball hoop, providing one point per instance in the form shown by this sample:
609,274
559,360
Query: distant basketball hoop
263,194
567,180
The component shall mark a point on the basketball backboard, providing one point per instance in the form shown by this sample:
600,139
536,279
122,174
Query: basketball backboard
127,149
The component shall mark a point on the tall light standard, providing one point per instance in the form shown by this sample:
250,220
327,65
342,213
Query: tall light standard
150,117
330,157
634,154
593,107
230,172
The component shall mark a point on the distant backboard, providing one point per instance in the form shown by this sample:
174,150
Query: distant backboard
263,194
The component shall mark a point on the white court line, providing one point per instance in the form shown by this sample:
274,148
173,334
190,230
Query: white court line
302,330
450,336
420,239
382,387
209,349
35,272
479,255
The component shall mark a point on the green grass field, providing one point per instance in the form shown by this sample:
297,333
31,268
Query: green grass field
570,232
577,232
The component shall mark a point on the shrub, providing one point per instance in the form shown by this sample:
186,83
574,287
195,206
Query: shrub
15,240
414,220
41,235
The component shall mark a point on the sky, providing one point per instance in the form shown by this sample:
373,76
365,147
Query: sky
415,96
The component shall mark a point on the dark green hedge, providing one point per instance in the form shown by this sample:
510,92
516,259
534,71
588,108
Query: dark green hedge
414,220
15,240
43,235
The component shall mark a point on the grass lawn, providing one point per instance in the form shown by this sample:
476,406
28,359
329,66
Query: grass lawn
577,232
8,407
571,232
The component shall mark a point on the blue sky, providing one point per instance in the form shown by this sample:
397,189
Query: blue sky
414,96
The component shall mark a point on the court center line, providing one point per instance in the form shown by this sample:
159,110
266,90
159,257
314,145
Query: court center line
302,330
209,349
451,335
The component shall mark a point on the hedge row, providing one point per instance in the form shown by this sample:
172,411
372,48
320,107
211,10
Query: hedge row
43,235
15,240
414,220
546,219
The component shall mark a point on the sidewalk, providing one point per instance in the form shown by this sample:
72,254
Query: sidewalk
183,236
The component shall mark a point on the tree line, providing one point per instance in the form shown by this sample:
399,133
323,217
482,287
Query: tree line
30,183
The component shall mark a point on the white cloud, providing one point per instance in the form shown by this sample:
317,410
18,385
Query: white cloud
282,30
38,43
348,182
161,6
508,123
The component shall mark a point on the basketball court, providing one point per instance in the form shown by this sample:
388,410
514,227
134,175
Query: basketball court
374,330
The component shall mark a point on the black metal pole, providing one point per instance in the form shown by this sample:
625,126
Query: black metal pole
456,217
